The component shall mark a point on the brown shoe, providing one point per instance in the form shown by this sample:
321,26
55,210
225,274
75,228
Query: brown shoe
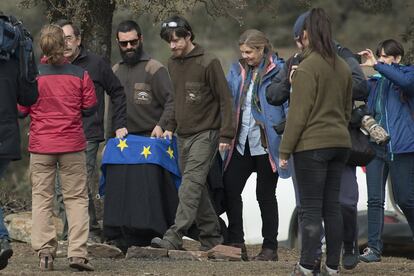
45,261
242,246
266,255
80,264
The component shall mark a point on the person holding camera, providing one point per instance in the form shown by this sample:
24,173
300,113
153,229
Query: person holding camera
391,101
278,93
317,136
255,147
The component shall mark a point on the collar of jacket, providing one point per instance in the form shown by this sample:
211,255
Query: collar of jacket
306,52
272,64
197,51
44,59
82,53
144,57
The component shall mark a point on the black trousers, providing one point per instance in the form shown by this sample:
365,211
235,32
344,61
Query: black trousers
235,177
318,174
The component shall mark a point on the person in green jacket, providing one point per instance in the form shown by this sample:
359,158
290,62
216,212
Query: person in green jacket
203,123
317,136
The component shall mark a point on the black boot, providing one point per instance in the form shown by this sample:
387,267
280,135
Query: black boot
5,253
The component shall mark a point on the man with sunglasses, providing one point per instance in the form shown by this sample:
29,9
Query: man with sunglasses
104,80
204,123
149,94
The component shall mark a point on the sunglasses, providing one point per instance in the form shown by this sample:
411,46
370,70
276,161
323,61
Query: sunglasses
171,24
133,42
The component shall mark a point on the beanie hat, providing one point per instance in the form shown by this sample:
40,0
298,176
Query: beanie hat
299,24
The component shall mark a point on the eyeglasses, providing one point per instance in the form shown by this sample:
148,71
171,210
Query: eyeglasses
133,42
69,38
171,24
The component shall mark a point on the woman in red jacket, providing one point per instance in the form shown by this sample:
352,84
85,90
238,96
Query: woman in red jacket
57,140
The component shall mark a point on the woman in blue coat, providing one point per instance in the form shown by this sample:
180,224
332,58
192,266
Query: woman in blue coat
391,101
255,147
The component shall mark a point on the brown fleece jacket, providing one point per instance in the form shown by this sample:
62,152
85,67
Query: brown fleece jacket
320,106
202,98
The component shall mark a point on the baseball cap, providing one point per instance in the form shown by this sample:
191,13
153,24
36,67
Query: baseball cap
299,24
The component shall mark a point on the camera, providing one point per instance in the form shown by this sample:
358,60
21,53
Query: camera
358,58
361,118
296,59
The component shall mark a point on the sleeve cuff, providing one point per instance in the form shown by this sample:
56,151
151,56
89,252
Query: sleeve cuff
284,156
225,140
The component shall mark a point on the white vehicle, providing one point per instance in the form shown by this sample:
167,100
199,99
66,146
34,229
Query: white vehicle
396,229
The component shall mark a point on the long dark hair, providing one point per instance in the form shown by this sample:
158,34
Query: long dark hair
318,27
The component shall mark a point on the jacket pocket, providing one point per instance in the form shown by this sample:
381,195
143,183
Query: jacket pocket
194,92
142,93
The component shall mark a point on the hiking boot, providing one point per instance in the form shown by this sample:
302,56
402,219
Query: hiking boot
370,256
326,271
350,259
299,270
162,243
94,237
46,261
375,131
266,254
243,248
80,264
5,253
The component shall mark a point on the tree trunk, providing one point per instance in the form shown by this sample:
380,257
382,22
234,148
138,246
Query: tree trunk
97,28
94,17
409,38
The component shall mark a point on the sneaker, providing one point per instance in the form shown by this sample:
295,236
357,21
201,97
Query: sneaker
299,270
266,254
162,243
5,253
80,264
326,271
350,259
370,256
94,237
46,261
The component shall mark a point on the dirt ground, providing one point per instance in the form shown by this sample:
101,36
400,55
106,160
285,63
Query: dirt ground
25,262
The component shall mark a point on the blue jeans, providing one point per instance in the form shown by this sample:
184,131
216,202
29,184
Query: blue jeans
4,234
401,170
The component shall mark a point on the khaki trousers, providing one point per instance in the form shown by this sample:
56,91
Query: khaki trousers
72,169
196,156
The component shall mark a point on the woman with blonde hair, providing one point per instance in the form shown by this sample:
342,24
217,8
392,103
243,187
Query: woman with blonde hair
255,147
66,93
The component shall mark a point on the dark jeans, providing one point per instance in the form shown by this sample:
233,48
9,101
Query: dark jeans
235,177
91,153
400,167
348,198
4,234
318,175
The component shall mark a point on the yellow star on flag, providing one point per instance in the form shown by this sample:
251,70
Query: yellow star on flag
122,144
146,151
170,152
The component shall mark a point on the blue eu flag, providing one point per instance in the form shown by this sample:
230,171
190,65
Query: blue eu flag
136,149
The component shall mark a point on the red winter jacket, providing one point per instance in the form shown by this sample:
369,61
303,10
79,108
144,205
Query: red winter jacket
65,93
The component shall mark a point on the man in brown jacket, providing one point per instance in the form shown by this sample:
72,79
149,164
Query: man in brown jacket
140,199
203,122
